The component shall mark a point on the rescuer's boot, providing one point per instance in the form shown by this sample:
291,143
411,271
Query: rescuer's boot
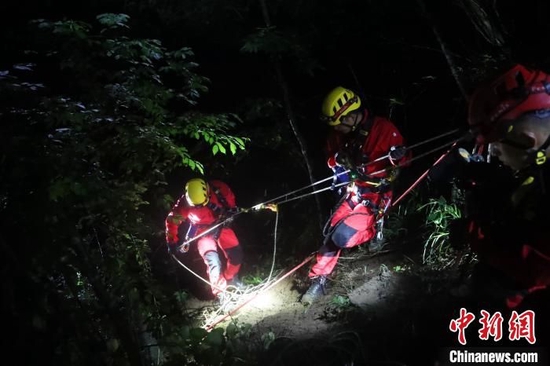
315,290
236,282
377,243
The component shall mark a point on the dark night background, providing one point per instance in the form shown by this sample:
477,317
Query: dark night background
413,61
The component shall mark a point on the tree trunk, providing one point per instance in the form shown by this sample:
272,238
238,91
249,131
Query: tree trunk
445,49
291,116
485,24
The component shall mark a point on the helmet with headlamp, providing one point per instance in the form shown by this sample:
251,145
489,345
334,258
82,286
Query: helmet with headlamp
337,104
495,106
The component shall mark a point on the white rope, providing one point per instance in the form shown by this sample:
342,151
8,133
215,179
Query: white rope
274,246
233,296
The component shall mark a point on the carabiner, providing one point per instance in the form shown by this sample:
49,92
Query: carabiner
184,248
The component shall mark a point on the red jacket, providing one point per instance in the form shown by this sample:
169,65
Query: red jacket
201,217
517,242
382,135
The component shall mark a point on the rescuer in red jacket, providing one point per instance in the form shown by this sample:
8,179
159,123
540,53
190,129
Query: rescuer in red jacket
511,114
369,147
204,205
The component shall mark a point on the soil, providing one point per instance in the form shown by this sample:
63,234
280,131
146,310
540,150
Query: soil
379,309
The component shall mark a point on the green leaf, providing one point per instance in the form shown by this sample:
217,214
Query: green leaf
215,337
232,330
221,147
185,332
113,20
239,142
197,334
107,146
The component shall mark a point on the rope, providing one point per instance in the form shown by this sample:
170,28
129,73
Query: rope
418,156
310,185
412,147
274,246
315,192
424,174
369,175
186,243
365,165
209,327
434,138
196,275
224,291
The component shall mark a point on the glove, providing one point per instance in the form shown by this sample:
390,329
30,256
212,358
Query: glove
228,215
343,158
265,206
397,152
271,206
339,176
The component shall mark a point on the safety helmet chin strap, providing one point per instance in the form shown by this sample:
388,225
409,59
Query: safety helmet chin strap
534,156
538,156
356,122
364,123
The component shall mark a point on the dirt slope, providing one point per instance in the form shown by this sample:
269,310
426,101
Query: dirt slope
379,309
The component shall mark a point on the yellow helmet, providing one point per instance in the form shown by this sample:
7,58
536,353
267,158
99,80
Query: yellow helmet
196,192
339,102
